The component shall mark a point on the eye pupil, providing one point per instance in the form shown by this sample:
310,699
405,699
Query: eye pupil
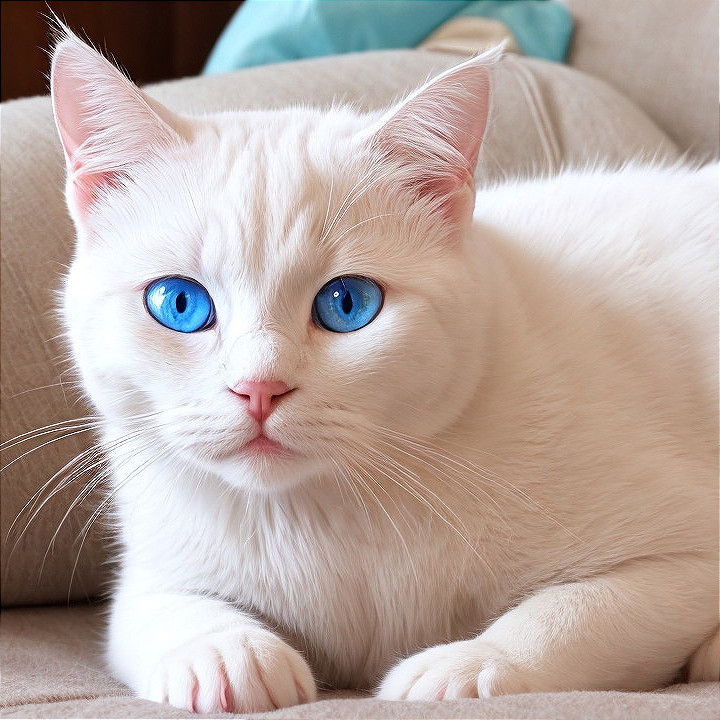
347,302
181,302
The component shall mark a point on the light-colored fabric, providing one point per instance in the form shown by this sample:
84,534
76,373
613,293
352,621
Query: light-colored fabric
469,36
663,54
52,655
544,116
52,668
270,31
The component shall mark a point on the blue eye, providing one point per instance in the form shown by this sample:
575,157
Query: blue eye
347,303
180,304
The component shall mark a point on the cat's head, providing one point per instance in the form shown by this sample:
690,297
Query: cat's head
277,295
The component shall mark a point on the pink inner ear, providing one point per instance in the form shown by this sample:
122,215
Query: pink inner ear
69,92
453,193
435,137
69,145
105,124
473,111
87,186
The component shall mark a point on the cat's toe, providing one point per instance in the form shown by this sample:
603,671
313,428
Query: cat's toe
269,673
459,670
248,671
174,681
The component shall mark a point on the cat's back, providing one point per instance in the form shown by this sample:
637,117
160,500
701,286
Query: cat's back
638,244
629,220
606,288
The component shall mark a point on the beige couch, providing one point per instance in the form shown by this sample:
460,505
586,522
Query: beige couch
642,84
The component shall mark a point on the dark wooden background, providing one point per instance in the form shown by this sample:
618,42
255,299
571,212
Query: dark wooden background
153,40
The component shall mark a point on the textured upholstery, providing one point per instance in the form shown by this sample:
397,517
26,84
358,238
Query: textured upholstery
661,53
52,668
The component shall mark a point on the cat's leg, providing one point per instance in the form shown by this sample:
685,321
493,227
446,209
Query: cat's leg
202,654
632,628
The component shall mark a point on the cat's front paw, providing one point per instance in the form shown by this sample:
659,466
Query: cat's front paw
248,670
458,670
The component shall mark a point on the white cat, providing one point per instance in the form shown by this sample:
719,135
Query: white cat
357,413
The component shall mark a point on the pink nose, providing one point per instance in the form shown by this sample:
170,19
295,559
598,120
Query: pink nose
260,396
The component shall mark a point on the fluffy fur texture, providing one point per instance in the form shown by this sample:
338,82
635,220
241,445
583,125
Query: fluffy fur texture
507,482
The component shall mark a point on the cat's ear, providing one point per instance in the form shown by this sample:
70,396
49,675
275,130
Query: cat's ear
106,124
433,137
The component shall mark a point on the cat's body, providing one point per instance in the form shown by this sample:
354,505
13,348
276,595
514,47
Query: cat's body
354,594
519,452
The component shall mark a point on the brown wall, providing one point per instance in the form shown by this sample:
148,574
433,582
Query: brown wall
153,40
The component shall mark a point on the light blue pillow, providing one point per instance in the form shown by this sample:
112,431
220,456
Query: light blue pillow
268,31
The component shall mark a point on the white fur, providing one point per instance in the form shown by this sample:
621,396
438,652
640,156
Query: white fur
517,456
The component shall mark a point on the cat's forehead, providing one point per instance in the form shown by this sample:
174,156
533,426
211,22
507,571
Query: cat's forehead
269,186
276,157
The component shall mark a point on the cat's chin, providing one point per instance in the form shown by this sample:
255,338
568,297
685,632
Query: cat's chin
266,467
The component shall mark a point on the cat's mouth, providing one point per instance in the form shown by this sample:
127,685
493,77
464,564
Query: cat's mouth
262,445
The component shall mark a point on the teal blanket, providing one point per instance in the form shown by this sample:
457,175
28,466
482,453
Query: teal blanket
268,31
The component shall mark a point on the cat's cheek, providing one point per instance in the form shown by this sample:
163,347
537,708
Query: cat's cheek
435,378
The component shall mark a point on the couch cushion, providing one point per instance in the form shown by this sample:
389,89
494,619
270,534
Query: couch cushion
52,668
545,116
663,54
